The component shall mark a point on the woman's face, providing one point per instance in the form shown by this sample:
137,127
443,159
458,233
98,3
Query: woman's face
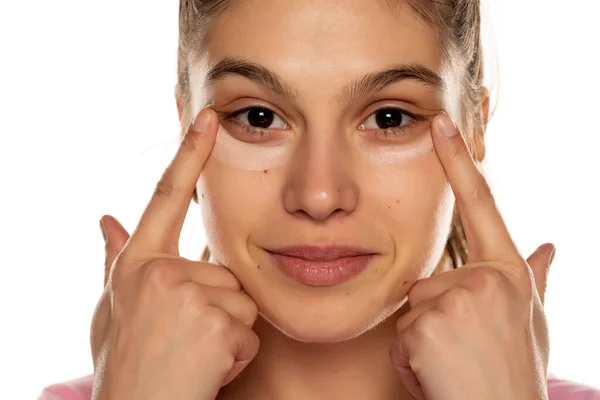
326,196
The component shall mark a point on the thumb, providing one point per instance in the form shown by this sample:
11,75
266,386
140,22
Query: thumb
540,262
115,237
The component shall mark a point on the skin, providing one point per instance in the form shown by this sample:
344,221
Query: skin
326,193
386,347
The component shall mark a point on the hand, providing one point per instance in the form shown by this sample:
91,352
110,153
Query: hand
115,238
176,328
477,332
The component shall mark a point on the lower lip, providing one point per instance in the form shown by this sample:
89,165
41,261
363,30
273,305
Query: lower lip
322,273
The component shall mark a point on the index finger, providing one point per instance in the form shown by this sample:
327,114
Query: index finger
487,236
160,225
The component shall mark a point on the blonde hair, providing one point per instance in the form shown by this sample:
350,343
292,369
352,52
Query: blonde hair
458,24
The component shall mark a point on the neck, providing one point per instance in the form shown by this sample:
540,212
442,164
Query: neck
287,369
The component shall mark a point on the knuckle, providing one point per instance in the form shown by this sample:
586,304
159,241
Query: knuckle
217,321
250,309
164,188
457,301
191,140
485,279
426,325
223,277
481,192
158,273
455,151
229,280
192,296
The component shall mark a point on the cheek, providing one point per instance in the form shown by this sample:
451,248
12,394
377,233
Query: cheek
233,202
411,193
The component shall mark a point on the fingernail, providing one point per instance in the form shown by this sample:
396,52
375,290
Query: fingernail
447,126
201,122
102,230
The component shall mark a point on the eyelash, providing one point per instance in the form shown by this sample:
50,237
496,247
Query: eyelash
250,130
387,132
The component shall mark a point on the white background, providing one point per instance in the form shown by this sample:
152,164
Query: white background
88,121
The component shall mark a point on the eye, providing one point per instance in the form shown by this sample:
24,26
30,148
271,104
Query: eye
387,118
261,118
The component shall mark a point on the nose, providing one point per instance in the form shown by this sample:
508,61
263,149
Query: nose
320,184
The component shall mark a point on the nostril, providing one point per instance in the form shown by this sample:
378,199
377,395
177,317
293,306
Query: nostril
320,215
338,212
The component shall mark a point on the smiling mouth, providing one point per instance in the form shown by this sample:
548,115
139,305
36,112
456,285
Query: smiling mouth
322,265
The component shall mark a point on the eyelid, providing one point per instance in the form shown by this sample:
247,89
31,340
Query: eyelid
405,107
239,113
368,121
257,134
414,116
251,103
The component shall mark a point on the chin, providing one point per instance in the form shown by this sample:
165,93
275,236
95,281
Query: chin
325,317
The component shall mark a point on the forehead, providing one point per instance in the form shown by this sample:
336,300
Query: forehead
320,38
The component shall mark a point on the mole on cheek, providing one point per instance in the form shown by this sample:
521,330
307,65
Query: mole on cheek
266,171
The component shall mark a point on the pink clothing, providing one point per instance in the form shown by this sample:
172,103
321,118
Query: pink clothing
81,389
78,389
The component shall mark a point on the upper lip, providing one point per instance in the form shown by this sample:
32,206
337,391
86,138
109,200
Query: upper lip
321,253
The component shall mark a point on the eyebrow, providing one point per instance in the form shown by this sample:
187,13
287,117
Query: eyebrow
371,82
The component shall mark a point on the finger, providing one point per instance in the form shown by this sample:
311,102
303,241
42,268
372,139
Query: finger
245,347
214,276
400,356
487,236
409,318
540,262
211,275
239,305
180,270
160,225
115,237
432,287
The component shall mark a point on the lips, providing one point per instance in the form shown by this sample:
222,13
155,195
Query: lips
321,265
